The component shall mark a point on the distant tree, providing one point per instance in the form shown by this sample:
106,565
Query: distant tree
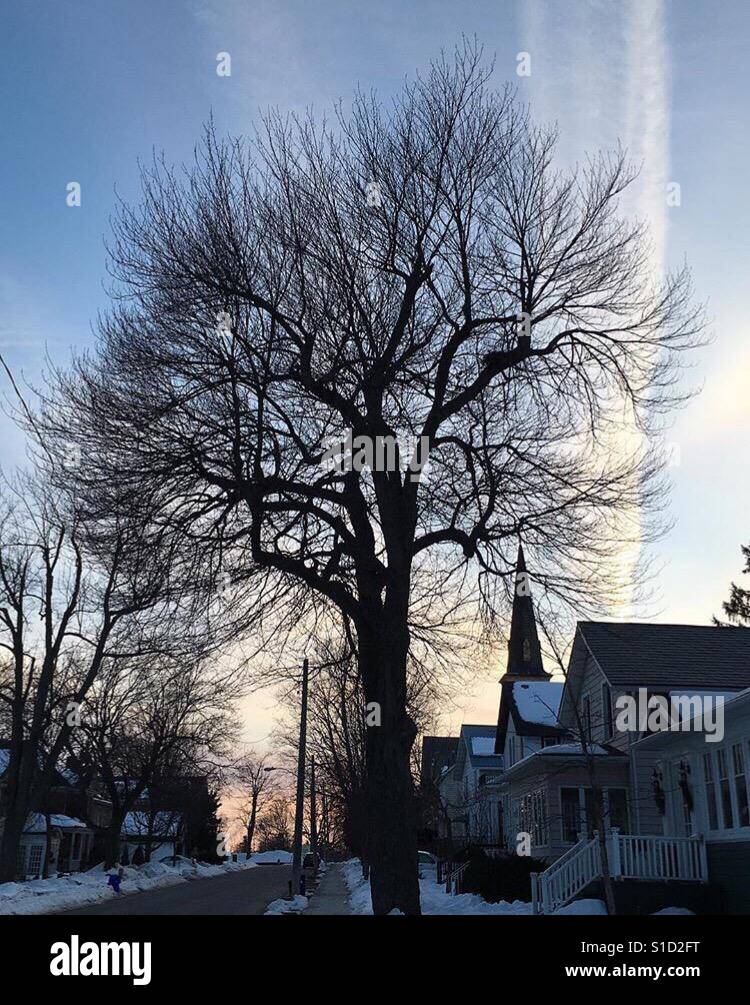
252,785
737,608
70,603
147,725
275,827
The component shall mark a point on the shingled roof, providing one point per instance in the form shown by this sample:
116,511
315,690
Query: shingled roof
665,657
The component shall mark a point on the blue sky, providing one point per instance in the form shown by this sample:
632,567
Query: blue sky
88,88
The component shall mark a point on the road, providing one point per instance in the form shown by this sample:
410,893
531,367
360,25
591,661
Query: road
246,892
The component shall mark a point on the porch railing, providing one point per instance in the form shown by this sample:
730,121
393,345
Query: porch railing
629,856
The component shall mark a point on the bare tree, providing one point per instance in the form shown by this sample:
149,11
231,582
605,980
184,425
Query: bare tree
253,785
147,723
420,274
69,603
275,826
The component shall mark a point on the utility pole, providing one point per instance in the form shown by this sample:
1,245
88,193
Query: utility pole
313,817
300,804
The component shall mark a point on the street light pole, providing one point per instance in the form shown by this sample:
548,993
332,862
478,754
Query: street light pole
300,804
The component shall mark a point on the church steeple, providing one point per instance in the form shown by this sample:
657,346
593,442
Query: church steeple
524,652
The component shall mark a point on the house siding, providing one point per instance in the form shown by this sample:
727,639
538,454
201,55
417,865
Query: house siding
728,869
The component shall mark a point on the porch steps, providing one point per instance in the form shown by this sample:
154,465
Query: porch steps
643,858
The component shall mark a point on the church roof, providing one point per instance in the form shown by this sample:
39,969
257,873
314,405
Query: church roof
524,651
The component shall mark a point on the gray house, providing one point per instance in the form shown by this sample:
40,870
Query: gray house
673,796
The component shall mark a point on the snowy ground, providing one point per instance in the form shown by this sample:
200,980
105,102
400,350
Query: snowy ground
294,906
43,896
433,897
435,900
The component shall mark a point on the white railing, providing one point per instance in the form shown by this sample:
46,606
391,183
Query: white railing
629,856
453,882
661,858
568,875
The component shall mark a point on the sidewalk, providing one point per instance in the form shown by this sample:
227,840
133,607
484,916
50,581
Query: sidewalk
332,896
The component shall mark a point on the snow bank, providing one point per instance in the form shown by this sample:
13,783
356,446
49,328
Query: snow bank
46,896
433,897
582,907
271,857
295,906
674,910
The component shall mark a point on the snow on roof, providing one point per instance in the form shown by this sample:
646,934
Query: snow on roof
483,746
163,823
538,701
572,748
35,822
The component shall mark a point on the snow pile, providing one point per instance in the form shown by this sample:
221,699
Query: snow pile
433,897
674,910
46,896
294,906
271,858
583,907
538,701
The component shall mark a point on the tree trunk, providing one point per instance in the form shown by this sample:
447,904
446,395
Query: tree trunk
112,842
391,823
251,825
15,820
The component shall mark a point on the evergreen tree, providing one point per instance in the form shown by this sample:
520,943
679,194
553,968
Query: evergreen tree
737,608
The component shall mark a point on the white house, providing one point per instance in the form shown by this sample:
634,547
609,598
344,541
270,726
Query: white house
469,790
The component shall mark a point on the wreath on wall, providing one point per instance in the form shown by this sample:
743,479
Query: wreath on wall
684,783
658,790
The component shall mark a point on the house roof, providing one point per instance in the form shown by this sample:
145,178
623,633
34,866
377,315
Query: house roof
36,824
478,744
533,705
58,779
438,752
164,824
571,752
665,657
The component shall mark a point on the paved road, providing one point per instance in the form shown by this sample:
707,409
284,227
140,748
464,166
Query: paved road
246,892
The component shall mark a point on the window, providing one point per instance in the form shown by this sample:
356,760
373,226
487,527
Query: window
740,785
526,651
708,776
607,711
35,860
724,790
571,814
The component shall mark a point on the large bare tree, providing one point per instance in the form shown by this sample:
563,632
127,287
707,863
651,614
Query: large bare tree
420,270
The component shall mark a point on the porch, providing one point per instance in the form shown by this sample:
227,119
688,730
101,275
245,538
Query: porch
629,857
